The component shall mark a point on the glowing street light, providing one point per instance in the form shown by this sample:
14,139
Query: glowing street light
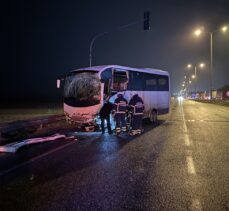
224,28
194,76
198,32
202,65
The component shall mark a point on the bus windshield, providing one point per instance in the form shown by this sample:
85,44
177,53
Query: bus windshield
82,89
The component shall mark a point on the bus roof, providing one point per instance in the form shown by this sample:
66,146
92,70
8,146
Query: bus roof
103,67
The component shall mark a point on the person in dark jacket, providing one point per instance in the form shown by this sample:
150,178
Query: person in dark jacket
136,106
105,115
120,109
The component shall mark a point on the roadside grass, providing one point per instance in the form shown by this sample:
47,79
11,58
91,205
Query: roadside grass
14,114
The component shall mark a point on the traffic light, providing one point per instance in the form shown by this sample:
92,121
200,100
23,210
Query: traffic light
146,21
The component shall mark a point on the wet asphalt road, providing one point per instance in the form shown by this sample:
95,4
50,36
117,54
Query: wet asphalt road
181,164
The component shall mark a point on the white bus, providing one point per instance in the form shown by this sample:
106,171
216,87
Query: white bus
85,88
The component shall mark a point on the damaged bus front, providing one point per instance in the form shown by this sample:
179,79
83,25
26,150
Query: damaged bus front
84,90
82,98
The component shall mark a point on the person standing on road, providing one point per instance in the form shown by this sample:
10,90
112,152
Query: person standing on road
120,109
105,115
136,106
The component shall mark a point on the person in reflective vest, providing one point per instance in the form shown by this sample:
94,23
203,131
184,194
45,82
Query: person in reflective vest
120,109
136,106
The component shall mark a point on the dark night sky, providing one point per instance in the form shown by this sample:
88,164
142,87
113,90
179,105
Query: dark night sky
44,39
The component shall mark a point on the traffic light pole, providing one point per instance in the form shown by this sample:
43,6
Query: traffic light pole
92,42
146,27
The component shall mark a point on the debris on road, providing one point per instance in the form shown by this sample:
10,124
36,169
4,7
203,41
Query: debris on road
13,147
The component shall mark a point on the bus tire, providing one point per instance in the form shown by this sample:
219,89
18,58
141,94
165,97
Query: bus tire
153,117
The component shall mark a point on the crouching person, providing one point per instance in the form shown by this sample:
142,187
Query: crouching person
136,106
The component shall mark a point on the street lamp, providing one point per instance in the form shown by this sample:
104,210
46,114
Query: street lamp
194,76
201,65
198,32
224,28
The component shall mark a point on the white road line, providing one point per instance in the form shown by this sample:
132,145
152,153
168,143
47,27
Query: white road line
196,205
190,164
184,123
34,159
186,140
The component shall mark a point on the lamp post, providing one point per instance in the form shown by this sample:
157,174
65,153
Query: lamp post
189,66
211,65
197,33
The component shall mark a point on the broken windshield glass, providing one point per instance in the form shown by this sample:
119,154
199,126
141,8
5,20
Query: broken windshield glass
82,89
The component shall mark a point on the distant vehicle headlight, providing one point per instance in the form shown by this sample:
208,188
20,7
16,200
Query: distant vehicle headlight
180,98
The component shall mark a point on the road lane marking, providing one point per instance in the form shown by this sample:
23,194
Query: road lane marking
196,205
35,159
184,123
198,120
186,140
190,164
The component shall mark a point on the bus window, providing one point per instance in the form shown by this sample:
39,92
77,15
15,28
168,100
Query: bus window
136,81
119,80
150,81
163,83
106,77
106,74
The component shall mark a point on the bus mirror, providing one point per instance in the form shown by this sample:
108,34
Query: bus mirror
58,83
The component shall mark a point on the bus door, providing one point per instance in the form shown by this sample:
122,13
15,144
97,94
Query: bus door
120,80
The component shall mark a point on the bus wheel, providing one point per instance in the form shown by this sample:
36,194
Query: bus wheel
153,117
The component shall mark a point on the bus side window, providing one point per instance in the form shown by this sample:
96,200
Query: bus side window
107,87
119,80
150,82
106,77
136,81
163,83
